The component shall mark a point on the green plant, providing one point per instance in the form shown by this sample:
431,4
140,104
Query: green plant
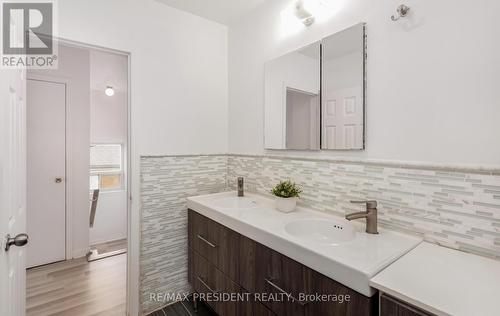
287,189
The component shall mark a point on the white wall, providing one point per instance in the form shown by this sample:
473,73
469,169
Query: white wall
108,115
432,78
111,217
108,125
178,81
74,69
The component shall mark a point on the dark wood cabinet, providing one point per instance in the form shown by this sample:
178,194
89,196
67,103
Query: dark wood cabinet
222,260
253,307
357,305
281,279
211,283
390,306
215,242
247,264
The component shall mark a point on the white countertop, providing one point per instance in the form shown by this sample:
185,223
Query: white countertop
352,263
444,281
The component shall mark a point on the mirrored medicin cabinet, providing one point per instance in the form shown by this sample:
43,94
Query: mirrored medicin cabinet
292,98
315,96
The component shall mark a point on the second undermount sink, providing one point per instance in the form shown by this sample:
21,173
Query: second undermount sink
322,231
235,203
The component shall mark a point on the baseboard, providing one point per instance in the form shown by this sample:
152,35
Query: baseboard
93,243
79,253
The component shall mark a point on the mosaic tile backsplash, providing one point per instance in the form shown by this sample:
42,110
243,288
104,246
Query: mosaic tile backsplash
457,209
165,184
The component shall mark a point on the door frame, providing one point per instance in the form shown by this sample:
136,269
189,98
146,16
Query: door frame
132,274
68,233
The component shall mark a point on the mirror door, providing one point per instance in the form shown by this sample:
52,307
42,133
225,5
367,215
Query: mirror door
292,100
342,89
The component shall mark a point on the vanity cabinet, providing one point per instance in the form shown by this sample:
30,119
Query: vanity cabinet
216,243
390,306
221,260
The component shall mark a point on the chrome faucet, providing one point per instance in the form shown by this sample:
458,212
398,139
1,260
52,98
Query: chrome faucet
241,191
370,214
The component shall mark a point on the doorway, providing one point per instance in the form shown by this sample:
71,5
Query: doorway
78,145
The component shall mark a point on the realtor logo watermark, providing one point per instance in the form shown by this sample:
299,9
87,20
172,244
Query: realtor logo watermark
28,35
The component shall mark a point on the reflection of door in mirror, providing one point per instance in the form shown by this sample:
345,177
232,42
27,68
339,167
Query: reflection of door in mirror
302,120
342,90
342,119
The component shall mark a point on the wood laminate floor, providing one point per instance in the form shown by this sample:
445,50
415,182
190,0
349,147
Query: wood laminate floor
78,288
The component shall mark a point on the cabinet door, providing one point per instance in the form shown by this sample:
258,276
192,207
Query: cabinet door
216,243
280,281
335,299
390,306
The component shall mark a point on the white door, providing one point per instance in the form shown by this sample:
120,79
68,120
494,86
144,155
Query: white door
12,190
343,119
46,119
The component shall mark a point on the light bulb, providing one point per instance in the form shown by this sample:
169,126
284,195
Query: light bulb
109,91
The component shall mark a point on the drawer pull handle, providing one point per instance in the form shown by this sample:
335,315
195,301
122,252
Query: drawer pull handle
206,285
285,292
207,242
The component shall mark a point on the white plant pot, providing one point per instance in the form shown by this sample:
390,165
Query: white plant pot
286,205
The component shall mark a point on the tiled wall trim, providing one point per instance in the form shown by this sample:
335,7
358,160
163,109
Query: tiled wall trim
466,168
165,183
455,206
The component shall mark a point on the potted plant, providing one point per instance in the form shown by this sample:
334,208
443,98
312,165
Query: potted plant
287,193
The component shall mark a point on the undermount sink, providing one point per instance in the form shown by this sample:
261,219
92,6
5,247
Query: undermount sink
235,203
321,231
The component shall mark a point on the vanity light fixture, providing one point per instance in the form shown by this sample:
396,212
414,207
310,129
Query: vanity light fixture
303,14
109,91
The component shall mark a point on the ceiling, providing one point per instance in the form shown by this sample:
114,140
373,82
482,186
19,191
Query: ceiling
108,69
222,11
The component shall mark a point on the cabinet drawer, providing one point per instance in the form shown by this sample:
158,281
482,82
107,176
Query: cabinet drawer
211,283
336,299
254,307
259,264
390,306
214,242
281,278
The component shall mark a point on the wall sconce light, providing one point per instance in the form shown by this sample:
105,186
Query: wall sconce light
303,14
109,91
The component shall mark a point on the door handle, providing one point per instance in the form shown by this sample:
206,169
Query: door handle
206,285
58,180
19,241
287,294
206,241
